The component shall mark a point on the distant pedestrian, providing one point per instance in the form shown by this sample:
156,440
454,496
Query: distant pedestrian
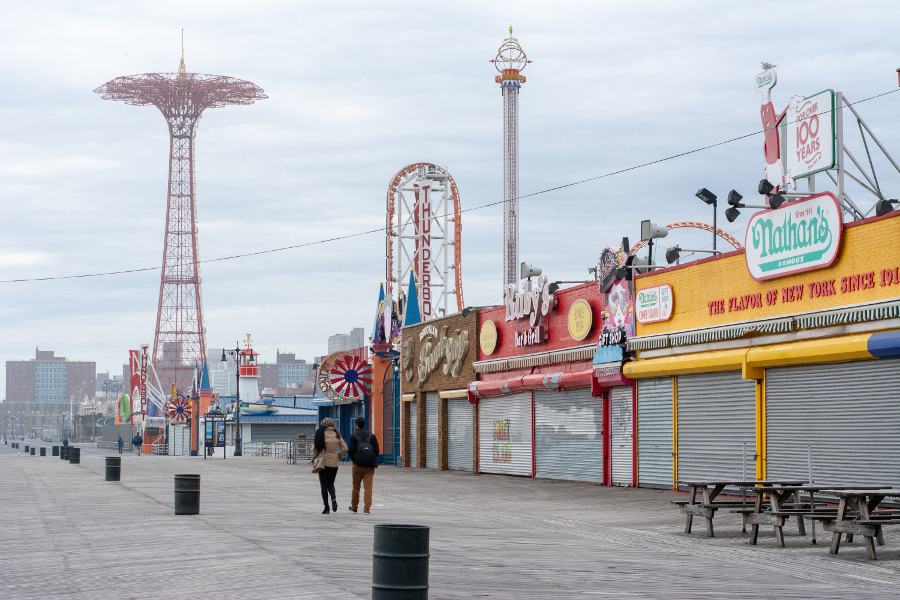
121,444
137,442
328,442
66,442
364,453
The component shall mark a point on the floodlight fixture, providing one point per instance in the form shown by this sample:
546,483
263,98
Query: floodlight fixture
707,196
884,206
776,200
734,198
673,254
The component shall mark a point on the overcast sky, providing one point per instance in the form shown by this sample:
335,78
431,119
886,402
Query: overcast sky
357,90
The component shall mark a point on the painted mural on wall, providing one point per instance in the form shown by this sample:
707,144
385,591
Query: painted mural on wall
618,318
502,448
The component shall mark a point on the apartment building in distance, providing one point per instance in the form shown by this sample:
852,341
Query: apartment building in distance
50,379
344,341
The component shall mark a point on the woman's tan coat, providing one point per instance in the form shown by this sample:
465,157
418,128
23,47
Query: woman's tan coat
335,448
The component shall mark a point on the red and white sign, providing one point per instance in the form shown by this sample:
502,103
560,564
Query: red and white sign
654,304
422,256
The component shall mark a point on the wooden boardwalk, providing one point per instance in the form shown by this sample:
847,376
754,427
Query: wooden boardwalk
66,533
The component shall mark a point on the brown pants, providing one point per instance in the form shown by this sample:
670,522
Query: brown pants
362,475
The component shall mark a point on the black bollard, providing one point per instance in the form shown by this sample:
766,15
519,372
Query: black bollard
32,450
55,450
75,456
187,494
43,452
26,448
113,468
400,562
64,453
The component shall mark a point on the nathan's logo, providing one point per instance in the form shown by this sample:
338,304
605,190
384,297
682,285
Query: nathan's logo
801,236
763,79
647,299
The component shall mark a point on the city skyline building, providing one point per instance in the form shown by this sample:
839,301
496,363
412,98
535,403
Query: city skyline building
48,378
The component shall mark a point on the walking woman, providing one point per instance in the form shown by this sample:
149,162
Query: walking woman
328,441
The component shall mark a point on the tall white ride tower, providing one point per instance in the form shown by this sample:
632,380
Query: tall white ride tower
510,61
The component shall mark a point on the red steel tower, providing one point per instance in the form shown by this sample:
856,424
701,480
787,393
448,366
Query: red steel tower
182,97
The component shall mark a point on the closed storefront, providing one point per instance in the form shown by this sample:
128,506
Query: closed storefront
845,417
179,440
568,430
459,434
435,365
621,424
505,443
281,432
655,432
716,422
431,430
413,439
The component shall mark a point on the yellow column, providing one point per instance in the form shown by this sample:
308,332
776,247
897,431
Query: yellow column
674,432
761,427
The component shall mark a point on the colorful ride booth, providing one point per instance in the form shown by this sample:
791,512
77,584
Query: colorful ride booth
776,360
539,410
436,365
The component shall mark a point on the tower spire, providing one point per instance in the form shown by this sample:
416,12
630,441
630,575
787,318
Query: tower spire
181,68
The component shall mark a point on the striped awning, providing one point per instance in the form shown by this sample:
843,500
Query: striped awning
855,314
870,311
585,352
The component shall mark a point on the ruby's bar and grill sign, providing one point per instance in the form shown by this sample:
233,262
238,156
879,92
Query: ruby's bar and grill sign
801,236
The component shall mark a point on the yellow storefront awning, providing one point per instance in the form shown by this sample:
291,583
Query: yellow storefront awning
463,393
408,397
700,362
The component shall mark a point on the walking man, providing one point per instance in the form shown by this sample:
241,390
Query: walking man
121,444
363,451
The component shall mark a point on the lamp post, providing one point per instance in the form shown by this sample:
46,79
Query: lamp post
236,353
710,198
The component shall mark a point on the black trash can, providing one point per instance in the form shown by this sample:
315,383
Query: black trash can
113,468
43,452
187,494
26,448
64,453
32,450
75,456
400,562
55,450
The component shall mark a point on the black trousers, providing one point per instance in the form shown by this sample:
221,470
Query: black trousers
326,482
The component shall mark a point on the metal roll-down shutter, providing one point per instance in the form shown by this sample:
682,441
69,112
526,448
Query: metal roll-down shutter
504,434
459,430
654,407
431,430
845,417
568,430
716,418
413,421
621,434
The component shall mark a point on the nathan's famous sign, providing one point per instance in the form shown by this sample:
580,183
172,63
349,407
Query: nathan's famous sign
800,236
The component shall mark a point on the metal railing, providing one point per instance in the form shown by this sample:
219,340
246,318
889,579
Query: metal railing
293,451
159,449
107,445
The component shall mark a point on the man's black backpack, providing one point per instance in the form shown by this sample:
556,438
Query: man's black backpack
365,452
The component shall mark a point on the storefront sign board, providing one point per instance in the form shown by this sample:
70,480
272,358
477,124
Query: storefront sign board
655,304
487,338
810,134
797,237
580,319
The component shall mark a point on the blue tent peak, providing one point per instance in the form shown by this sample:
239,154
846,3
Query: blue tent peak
204,380
412,315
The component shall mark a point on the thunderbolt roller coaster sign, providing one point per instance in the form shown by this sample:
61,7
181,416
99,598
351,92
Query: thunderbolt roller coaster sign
800,236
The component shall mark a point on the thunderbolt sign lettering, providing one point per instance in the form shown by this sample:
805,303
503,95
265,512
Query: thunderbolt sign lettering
800,236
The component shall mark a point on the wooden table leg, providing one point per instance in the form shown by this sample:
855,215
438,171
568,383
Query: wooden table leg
864,514
709,526
754,529
801,526
779,535
689,519
836,537
707,500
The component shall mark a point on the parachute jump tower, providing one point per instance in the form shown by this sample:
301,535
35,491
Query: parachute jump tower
179,342
510,61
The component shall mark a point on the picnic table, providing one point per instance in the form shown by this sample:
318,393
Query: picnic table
785,502
710,490
868,522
